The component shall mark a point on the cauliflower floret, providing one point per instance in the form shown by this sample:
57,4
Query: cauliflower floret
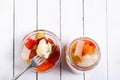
44,49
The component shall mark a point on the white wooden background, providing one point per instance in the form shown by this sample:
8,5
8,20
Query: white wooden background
68,19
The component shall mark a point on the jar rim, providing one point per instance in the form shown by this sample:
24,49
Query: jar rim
84,68
52,35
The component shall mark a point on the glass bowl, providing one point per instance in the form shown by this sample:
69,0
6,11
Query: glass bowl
48,43
82,54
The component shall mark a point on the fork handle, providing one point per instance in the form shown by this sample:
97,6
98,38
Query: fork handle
18,75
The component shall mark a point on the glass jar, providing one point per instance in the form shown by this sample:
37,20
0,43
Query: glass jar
82,54
29,46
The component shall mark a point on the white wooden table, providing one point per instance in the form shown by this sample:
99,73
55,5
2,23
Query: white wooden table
68,19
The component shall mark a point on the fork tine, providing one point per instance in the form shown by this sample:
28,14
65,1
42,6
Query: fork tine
36,56
38,60
39,57
42,60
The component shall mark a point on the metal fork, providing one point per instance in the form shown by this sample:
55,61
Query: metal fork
35,62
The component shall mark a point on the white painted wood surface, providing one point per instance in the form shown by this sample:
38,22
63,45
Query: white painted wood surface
71,28
6,42
25,22
68,19
95,28
113,39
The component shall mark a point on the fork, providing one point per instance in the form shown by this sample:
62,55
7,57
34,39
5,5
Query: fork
35,62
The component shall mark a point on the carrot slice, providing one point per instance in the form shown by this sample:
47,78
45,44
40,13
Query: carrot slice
88,48
44,67
50,41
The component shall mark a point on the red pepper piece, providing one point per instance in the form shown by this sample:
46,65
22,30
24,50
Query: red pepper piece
30,43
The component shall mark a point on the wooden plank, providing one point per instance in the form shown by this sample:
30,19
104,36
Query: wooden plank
25,22
71,28
113,39
95,28
49,19
6,42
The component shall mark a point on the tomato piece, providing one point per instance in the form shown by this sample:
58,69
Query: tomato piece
30,43
54,47
32,54
50,41
54,57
